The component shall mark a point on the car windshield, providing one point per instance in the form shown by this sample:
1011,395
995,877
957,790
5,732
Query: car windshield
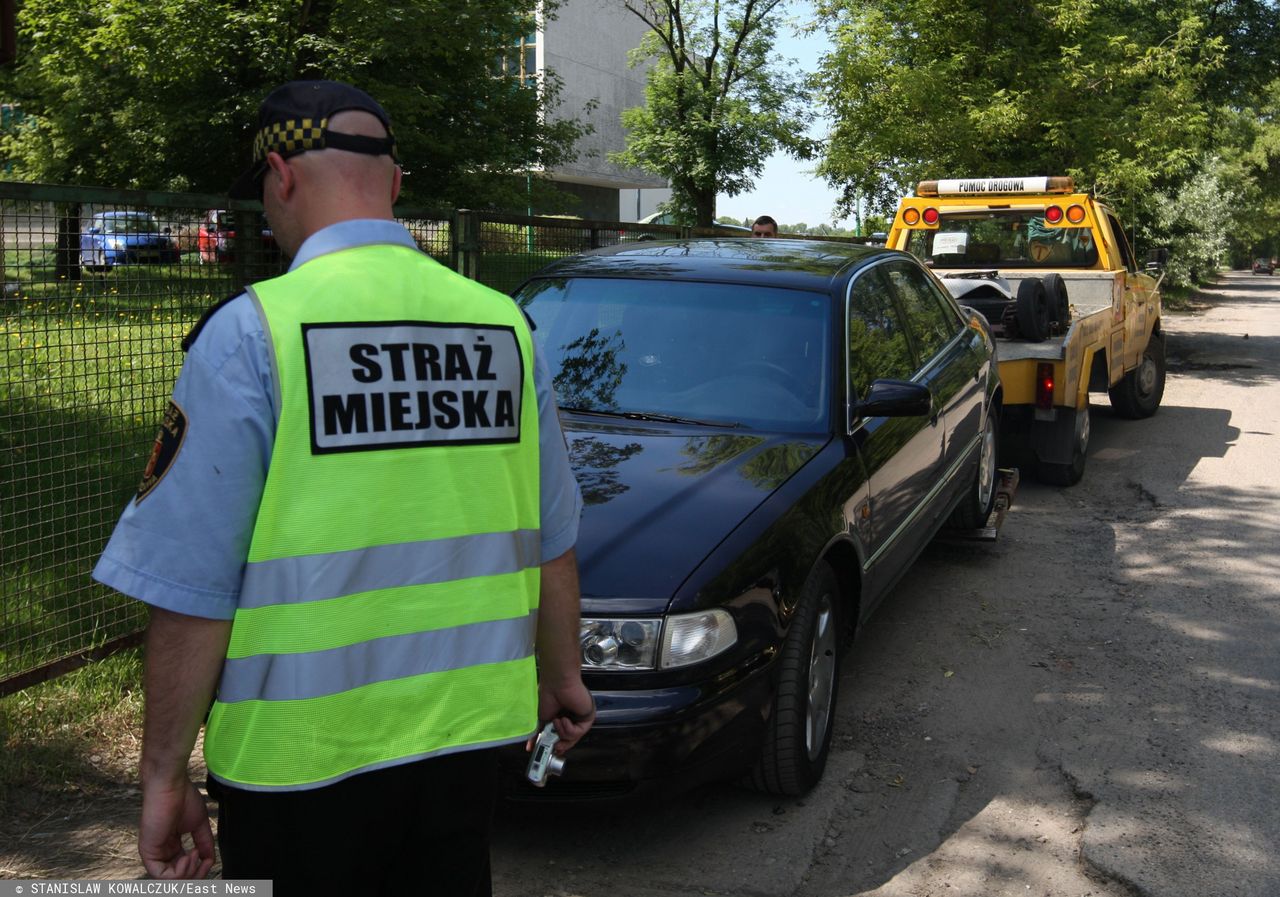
722,353
130,224
1008,239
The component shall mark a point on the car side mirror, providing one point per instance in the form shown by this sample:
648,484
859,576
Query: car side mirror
1157,259
168,230
94,230
893,398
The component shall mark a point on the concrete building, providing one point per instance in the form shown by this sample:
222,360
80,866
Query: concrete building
587,46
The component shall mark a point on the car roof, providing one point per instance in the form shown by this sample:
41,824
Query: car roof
816,265
124,214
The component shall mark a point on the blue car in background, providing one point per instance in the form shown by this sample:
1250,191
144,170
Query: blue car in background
125,238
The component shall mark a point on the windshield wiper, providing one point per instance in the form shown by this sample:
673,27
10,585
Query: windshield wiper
655,417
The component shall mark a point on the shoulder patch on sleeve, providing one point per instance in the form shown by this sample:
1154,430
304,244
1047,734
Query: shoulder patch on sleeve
173,429
189,340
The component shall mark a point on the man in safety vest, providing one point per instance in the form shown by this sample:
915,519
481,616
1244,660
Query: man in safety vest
356,526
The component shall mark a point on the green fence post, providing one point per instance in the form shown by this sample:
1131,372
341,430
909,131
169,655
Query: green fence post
465,236
67,254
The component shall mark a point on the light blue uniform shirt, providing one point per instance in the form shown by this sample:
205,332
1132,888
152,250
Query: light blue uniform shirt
183,547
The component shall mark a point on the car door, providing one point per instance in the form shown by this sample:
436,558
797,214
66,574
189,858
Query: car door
950,364
1138,300
901,455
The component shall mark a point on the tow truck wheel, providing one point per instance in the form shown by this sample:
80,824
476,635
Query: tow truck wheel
1139,393
1033,310
975,507
798,734
1070,473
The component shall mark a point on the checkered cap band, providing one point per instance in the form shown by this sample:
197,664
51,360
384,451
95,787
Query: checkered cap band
289,137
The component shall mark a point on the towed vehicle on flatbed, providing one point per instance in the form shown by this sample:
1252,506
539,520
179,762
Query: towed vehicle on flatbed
1052,271
766,434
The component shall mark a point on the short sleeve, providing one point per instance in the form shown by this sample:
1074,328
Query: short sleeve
561,499
182,540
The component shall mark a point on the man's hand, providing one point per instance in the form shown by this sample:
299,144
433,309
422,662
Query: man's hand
570,709
168,812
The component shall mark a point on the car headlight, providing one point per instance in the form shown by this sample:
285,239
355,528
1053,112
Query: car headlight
647,644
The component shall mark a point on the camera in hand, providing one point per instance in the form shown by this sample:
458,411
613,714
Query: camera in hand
543,761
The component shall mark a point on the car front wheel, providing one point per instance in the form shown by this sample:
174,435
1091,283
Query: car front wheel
798,736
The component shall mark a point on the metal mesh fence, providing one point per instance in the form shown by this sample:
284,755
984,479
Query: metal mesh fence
99,287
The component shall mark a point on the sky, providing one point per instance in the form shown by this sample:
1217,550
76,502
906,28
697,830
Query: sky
787,189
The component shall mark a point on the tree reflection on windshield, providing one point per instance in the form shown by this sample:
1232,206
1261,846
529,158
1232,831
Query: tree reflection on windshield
590,372
725,353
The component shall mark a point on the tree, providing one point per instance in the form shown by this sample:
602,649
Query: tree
1117,94
163,94
717,103
1251,166
1193,223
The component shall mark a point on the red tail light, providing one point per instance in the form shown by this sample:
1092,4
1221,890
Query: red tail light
1053,214
1044,386
930,216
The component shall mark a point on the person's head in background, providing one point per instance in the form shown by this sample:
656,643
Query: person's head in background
764,226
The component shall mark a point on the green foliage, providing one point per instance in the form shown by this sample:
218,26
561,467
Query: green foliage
1170,110
1112,93
717,101
163,94
1194,223
1251,164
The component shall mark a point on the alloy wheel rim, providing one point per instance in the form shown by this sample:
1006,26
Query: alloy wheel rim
1147,376
822,677
987,472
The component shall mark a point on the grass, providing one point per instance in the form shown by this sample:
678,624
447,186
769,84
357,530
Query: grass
87,368
77,729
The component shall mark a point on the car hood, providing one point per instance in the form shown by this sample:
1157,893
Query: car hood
658,499
961,284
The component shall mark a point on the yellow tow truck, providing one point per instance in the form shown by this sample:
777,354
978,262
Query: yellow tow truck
1073,313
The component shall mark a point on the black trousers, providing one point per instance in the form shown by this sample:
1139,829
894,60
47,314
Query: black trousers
419,828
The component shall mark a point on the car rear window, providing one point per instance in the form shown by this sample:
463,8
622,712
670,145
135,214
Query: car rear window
748,355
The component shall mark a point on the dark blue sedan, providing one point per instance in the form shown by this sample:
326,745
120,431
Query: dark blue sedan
766,433
125,238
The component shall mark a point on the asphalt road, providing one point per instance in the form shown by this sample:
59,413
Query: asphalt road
1088,706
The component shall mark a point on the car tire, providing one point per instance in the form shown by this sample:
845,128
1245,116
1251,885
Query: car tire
1139,392
100,265
1033,310
798,732
1055,289
980,496
1073,471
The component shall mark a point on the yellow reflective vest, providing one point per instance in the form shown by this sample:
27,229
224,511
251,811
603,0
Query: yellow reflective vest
388,605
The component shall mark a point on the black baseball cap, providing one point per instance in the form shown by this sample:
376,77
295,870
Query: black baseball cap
294,118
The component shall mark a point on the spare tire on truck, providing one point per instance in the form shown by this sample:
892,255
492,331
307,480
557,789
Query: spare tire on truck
1033,310
1055,289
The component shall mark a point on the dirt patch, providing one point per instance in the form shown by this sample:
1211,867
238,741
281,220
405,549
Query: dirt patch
83,827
